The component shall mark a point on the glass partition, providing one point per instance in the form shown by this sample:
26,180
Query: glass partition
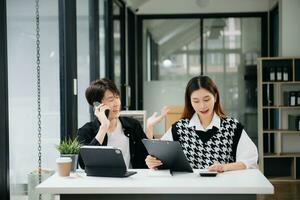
83,60
23,146
230,49
117,44
171,58
172,55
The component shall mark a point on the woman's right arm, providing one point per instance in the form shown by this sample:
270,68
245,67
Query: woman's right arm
153,162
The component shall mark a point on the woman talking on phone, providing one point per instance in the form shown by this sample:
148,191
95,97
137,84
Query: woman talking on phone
109,129
209,139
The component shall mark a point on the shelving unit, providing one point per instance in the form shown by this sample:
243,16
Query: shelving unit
278,137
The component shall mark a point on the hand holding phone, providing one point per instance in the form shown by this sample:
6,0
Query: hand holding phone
96,104
104,121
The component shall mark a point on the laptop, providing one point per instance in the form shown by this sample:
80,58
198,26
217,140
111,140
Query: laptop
169,153
104,161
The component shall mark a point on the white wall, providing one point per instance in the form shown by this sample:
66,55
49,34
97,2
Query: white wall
202,6
290,29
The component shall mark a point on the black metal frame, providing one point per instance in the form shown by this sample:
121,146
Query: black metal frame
154,57
94,39
274,31
4,125
109,45
109,39
131,52
201,46
139,67
68,67
123,53
94,45
140,18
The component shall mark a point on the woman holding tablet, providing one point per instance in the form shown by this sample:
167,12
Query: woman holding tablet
209,139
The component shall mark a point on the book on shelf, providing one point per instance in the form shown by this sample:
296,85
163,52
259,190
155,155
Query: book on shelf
265,119
274,119
268,95
292,120
297,69
286,98
268,143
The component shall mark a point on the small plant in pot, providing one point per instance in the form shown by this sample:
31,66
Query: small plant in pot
70,148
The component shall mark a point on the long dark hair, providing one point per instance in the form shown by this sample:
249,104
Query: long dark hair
197,83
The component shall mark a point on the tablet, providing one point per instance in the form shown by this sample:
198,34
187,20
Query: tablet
169,153
104,161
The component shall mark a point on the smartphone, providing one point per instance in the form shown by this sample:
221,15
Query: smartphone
96,104
206,173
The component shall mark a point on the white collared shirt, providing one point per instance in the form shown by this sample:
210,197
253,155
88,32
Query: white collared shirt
246,150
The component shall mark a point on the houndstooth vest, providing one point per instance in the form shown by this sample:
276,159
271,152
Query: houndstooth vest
218,145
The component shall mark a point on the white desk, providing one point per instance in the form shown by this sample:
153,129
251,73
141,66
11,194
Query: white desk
243,184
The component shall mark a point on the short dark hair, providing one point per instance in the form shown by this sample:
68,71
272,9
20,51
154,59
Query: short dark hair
95,92
196,83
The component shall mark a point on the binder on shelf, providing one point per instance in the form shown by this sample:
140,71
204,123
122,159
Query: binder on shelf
298,123
297,69
292,120
266,119
286,98
265,74
268,95
271,142
268,143
274,119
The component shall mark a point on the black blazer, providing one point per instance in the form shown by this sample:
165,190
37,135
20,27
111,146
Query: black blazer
132,129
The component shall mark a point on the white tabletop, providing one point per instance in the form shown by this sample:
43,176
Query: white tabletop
250,181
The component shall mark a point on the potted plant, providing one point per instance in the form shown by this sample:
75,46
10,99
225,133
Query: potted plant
70,148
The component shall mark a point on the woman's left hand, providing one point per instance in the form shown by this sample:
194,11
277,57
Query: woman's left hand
217,167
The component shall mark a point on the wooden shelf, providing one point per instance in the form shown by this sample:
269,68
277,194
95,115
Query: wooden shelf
280,82
281,155
281,107
278,166
282,131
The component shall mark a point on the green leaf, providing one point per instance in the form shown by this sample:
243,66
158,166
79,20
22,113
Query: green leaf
69,146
